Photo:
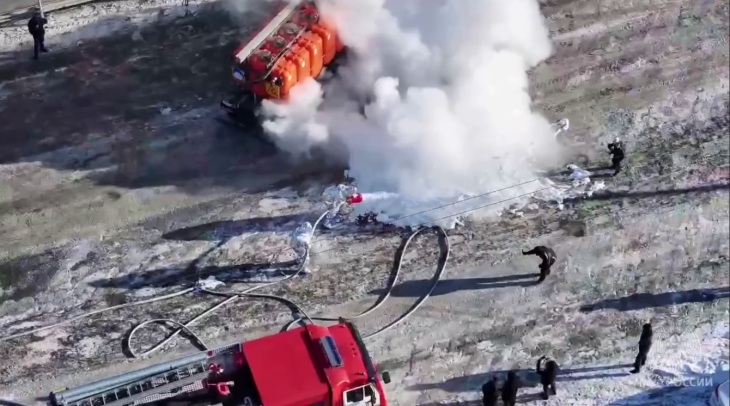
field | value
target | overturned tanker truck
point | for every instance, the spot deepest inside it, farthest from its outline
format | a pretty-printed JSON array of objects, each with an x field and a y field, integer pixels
[
  {"x": 306, "y": 366},
  {"x": 295, "y": 45}
]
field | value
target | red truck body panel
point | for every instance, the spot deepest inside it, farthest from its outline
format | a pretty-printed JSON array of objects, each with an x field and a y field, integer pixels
[
  {"x": 292, "y": 368},
  {"x": 284, "y": 369}
]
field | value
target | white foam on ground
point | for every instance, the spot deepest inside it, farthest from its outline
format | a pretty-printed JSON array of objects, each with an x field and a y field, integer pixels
[{"x": 403, "y": 211}]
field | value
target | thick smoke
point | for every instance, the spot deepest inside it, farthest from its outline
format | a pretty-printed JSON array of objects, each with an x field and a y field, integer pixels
[{"x": 447, "y": 113}]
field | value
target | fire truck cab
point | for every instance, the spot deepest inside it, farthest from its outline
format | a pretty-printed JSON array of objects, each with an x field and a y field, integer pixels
[{"x": 310, "y": 366}]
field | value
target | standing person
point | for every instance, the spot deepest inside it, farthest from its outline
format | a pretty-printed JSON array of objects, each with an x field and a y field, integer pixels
[
  {"x": 547, "y": 376},
  {"x": 36, "y": 27},
  {"x": 489, "y": 392},
  {"x": 548, "y": 259},
  {"x": 616, "y": 150},
  {"x": 644, "y": 347},
  {"x": 510, "y": 388}
]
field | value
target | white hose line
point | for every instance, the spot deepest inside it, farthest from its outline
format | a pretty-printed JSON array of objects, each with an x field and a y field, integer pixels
[
  {"x": 232, "y": 296},
  {"x": 95, "y": 312}
]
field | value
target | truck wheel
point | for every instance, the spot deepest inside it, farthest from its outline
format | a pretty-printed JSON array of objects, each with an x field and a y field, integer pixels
[{"x": 386, "y": 377}]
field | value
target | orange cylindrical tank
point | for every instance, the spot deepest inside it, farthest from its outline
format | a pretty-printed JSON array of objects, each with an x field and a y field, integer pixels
[
  {"x": 313, "y": 44},
  {"x": 296, "y": 54},
  {"x": 301, "y": 59},
  {"x": 282, "y": 78},
  {"x": 328, "y": 42},
  {"x": 330, "y": 25}
]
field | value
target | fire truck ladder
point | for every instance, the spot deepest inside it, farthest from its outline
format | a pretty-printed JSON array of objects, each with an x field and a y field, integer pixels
[{"x": 184, "y": 379}]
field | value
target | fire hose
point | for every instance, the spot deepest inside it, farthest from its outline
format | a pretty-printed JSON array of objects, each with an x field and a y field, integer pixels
[
  {"x": 347, "y": 196},
  {"x": 304, "y": 253},
  {"x": 301, "y": 245}
]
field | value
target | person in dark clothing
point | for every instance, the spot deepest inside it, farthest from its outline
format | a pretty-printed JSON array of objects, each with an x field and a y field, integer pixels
[
  {"x": 644, "y": 347},
  {"x": 489, "y": 392},
  {"x": 548, "y": 259},
  {"x": 547, "y": 376},
  {"x": 616, "y": 149},
  {"x": 509, "y": 390},
  {"x": 36, "y": 27}
]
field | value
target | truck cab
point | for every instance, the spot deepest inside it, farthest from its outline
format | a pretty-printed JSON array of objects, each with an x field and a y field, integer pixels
[{"x": 314, "y": 365}]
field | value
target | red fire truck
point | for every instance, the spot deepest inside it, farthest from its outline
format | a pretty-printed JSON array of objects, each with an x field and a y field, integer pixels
[
  {"x": 307, "y": 366},
  {"x": 295, "y": 45}
]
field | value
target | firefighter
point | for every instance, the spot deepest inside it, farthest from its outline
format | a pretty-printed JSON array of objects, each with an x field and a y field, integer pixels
[
  {"x": 37, "y": 30},
  {"x": 489, "y": 392},
  {"x": 547, "y": 376},
  {"x": 548, "y": 259},
  {"x": 510, "y": 388},
  {"x": 616, "y": 150},
  {"x": 644, "y": 347}
]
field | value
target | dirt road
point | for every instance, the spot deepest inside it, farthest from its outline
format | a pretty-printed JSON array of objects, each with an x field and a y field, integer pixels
[{"x": 115, "y": 177}]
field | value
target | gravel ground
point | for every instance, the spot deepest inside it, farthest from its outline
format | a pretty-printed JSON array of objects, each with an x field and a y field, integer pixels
[{"x": 117, "y": 183}]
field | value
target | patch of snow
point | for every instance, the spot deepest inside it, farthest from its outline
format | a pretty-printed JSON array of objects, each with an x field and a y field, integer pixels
[
  {"x": 273, "y": 204},
  {"x": 210, "y": 283},
  {"x": 145, "y": 292},
  {"x": 88, "y": 346}
]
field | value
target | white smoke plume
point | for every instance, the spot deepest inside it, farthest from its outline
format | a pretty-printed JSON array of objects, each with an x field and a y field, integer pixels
[{"x": 447, "y": 111}]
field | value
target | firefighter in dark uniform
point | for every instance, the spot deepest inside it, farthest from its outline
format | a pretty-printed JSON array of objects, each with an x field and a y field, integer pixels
[
  {"x": 36, "y": 27},
  {"x": 547, "y": 255},
  {"x": 644, "y": 346},
  {"x": 616, "y": 150},
  {"x": 490, "y": 392},
  {"x": 547, "y": 369}
]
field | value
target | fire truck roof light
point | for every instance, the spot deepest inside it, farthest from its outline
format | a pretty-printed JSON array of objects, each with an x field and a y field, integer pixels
[{"x": 330, "y": 350}]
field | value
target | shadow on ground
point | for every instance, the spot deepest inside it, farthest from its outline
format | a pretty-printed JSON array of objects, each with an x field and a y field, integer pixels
[
  {"x": 9, "y": 403},
  {"x": 286, "y": 223},
  {"x": 521, "y": 399},
  {"x": 188, "y": 274},
  {"x": 444, "y": 287},
  {"x": 528, "y": 376},
  {"x": 674, "y": 395},
  {"x": 185, "y": 276},
  {"x": 654, "y": 193},
  {"x": 640, "y": 301},
  {"x": 221, "y": 230}
]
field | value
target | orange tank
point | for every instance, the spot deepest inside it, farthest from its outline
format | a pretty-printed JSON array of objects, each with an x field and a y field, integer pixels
[
  {"x": 328, "y": 42},
  {"x": 282, "y": 75},
  {"x": 282, "y": 78},
  {"x": 330, "y": 25},
  {"x": 313, "y": 44},
  {"x": 296, "y": 54}
]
